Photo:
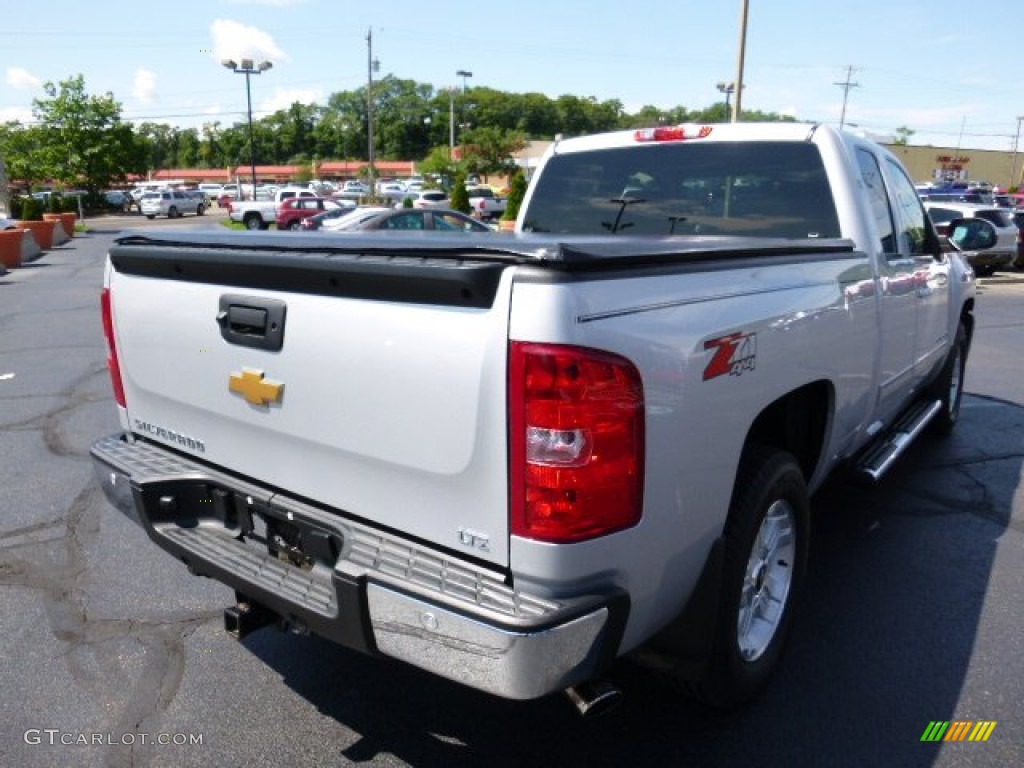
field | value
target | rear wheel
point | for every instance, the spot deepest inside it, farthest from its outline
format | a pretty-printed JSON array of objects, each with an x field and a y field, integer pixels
[
  {"x": 172, "y": 212},
  {"x": 949, "y": 387},
  {"x": 295, "y": 224},
  {"x": 253, "y": 221},
  {"x": 766, "y": 537}
]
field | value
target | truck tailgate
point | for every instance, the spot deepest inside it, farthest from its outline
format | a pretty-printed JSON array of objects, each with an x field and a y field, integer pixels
[{"x": 383, "y": 397}]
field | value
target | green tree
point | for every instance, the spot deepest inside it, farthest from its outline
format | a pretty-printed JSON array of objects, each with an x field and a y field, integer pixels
[
  {"x": 490, "y": 149},
  {"x": 438, "y": 162},
  {"x": 23, "y": 150},
  {"x": 85, "y": 142},
  {"x": 903, "y": 134}
]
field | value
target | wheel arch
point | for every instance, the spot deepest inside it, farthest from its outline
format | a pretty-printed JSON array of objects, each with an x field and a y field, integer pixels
[{"x": 798, "y": 422}]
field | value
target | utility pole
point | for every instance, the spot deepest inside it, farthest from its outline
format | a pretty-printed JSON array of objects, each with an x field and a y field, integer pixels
[
  {"x": 371, "y": 65},
  {"x": 1014, "y": 182},
  {"x": 846, "y": 85},
  {"x": 736, "y": 106}
]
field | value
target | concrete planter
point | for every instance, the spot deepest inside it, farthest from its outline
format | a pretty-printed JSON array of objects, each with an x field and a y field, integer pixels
[
  {"x": 67, "y": 220},
  {"x": 43, "y": 231},
  {"x": 10, "y": 247}
]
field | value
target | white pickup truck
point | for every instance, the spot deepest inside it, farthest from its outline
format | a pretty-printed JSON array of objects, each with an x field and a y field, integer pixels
[
  {"x": 511, "y": 459},
  {"x": 486, "y": 203},
  {"x": 260, "y": 214}
]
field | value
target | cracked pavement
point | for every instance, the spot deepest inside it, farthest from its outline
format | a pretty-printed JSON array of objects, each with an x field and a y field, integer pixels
[{"x": 913, "y": 610}]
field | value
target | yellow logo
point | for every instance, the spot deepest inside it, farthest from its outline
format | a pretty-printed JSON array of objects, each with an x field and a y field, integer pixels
[{"x": 257, "y": 390}]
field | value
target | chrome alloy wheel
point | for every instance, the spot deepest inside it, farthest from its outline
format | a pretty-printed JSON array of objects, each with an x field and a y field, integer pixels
[{"x": 767, "y": 581}]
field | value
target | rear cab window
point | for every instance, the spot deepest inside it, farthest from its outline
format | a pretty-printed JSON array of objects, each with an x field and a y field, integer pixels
[{"x": 755, "y": 189}]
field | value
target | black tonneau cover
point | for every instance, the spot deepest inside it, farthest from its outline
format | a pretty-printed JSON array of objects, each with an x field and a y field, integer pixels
[
  {"x": 433, "y": 268},
  {"x": 556, "y": 251}
]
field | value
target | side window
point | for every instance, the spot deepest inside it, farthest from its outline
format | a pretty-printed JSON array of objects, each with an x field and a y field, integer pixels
[
  {"x": 913, "y": 225},
  {"x": 871, "y": 175},
  {"x": 405, "y": 221},
  {"x": 448, "y": 222}
]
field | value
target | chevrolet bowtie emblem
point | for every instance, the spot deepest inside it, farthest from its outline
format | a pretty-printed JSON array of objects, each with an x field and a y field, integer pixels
[{"x": 251, "y": 385}]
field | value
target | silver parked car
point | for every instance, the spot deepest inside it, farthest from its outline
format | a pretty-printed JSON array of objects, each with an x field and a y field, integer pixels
[
  {"x": 985, "y": 262},
  {"x": 170, "y": 203}
]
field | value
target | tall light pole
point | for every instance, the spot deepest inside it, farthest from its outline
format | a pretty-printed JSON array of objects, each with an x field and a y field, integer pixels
[
  {"x": 736, "y": 109},
  {"x": 727, "y": 89},
  {"x": 247, "y": 68},
  {"x": 451, "y": 122},
  {"x": 463, "y": 73}
]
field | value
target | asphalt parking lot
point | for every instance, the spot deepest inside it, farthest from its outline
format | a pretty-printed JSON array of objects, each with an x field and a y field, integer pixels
[{"x": 913, "y": 613}]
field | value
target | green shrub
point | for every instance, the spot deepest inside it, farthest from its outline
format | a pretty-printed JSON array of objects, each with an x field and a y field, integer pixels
[
  {"x": 460, "y": 197},
  {"x": 31, "y": 209},
  {"x": 407, "y": 202},
  {"x": 54, "y": 202},
  {"x": 17, "y": 204},
  {"x": 516, "y": 193}
]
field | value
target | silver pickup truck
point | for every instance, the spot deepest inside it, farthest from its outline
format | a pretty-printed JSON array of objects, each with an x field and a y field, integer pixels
[{"x": 511, "y": 459}]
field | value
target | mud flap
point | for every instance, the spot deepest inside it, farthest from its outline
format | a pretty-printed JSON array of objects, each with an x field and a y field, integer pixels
[{"x": 688, "y": 640}]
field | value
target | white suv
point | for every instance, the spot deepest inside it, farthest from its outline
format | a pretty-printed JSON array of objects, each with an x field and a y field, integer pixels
[
  {"x": 986, "y": 262},
  {"x": 170, "y": 203}
]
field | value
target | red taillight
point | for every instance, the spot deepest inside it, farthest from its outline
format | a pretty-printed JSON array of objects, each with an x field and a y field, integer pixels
[
  {"x": 576, "y": 417},
  {"x": 673, "y": 133},
  {"x": 112, "y": 362}
]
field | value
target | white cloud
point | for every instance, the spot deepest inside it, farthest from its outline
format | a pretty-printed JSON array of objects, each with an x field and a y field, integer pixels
[
  {"x": 16, "y": 115},
  {"x": 234, "y": 40},
  {"x": 22, "y": 79},
  {"x": 144, "y": 86},
  {"x": 282, "y": 98}
]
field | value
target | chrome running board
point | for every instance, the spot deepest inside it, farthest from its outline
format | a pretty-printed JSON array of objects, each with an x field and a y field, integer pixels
[{"x": 890, "y": 445}]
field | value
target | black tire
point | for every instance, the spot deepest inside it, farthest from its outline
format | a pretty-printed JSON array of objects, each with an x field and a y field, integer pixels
[
  {"x": 150, "y": 215},
  {"x": 759, "y": 578},
  {"x": 172, "y": 212},
  {"x": 253, "y": 221},
  {"x": 949, "y": 386},
  {"x": 295, "y": 224},
  {"x": 199, "y": 210}
]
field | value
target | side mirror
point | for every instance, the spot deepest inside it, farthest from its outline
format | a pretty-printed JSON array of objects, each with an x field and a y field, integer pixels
[{"x": 970, "y": 235}]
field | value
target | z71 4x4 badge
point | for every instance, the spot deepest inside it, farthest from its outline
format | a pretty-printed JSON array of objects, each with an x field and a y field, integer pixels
[{"x": 733, "y": 354}]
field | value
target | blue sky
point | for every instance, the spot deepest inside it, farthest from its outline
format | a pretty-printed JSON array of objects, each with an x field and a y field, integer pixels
[{"x": 918, "y": 63}]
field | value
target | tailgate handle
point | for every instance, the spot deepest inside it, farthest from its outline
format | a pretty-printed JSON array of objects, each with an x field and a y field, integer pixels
[{"x": 249, "y": 321}]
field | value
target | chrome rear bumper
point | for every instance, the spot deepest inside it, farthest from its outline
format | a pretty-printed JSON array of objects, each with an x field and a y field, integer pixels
[{"x": 358, "y": 586}]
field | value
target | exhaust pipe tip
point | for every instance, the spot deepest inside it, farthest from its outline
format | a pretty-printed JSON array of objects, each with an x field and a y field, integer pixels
[{"x": 594, "y": 697}]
